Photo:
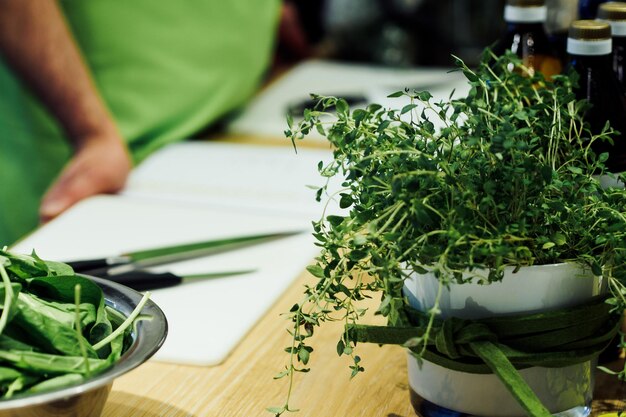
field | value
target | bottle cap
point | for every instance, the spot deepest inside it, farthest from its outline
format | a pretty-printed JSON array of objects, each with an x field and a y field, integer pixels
[
  {"x": 589, "y": 37},
  {"x": 615, "y": 14},
  {"x": 525, "y": 11}
]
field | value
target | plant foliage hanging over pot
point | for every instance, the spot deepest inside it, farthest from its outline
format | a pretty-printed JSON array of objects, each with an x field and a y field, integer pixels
[{"x": 507, "y": 178}]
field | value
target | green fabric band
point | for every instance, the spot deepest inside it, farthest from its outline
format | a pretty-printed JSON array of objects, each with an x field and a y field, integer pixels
[{"x": 503, "y": 345}]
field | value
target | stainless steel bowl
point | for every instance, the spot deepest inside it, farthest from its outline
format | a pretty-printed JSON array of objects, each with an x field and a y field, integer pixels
[{"x": 88, "y": 398}]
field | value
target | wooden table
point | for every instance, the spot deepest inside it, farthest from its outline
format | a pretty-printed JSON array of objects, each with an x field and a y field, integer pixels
[{"x": 243, "y": 385}]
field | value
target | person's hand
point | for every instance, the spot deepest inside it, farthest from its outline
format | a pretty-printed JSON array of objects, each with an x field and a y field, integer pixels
[{"x": 100, "y": 165}]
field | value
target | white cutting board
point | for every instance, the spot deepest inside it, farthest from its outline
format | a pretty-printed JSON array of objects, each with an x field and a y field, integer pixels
[
  {"x": 206, "y": 318},
  {"x": 196, "y": 191}
]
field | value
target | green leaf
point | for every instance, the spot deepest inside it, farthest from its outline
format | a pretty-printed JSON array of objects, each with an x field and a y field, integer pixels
[
  {"x": 61, "y": 288},
  {"x": 281, "y": 374},
  {"x": 320, "y": 129},
  {"x": 470, "y": 76},
  {"x": 559, "y": 239},
  {"x": 408, "y": 108},
  {"x": 345, "y": 201},
  {"x": 24, "y": 266},
  {"x": 341, "y": 346},
  {"x": 51, "y": 364},
  {"x": 607, "y": 370},
  {"x": 575, "y": 170},
  {"x": 304, "y": 356},
  {"x": 316, "y": 271},
  {"x": 335, "y": 220},
  {"x": 396, "y": 94},
  {"x": 424, "y": 95},
  {"x": 56, "y": 383},
  {"x": 342, "y": 106},
  {"x": 50, "y": 326},
  {"x": 357, "y": 254}
]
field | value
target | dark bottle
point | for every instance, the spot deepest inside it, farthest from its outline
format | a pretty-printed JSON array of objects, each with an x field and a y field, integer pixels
[
  {"x": 614, "y": 13},
  {"x": 526, "y": 36},
  {"x": 588, "y": 9},
  {"x": 589, "y": 47}
]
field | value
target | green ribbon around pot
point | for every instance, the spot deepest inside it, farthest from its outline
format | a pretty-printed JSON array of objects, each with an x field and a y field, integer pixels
[{"x": 503, "y": 345}]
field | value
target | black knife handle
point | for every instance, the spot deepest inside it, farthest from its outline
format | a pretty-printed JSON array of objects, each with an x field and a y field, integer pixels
[
  {"x": 144, "y": 280},
  {"x": 88, "y": 265}
]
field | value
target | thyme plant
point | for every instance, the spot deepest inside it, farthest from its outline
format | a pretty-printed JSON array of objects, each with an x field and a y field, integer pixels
[{"x": 504, "y": 176}]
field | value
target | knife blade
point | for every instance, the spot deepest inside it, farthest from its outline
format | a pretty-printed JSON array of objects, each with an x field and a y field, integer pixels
[
  {"x": 141, "y": 280},
  {"x": 140, "y": 259}
]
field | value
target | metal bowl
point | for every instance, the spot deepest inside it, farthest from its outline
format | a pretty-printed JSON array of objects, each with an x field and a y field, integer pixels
[{"x": 88, "y": 398}]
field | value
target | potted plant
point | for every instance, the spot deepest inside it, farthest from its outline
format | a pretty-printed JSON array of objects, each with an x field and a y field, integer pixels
[{"x": 482, "y": 226}]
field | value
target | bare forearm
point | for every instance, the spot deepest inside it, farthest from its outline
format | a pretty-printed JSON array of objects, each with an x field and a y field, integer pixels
[{"x": 36, "y": 42}]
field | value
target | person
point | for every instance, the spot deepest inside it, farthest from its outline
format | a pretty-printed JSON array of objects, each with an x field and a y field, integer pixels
[{"x": 90, "y": 88}]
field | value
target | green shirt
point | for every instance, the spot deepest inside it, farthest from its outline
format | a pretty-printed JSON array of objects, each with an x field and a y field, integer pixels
[{"x": 165, "y": 68}]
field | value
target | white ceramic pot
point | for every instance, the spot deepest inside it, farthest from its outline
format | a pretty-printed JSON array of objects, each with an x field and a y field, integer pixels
[{"x": 531, "y": 289}]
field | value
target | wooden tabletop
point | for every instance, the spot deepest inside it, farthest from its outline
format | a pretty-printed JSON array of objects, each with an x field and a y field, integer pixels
[{"x": 243, "y": 386}]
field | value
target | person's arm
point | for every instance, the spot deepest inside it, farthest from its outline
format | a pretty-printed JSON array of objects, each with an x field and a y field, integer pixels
[{"x": 37, "y": 43}]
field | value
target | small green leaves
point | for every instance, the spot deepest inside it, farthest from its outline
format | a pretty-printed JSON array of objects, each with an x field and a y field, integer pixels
[
  {"x": 396, "y": 94},
  {"x": 335, "y": 220},
  {"x": 356, "y": 368},
  {"x": 575, "y": 170},
  {"x": 357, "y": 254},
  {"x": 304, "y": 353},
  {"x": 316, "y": 271},
  {"x": 281, "y": 374},
  {"x": 408, "y": 108},
  {"x": 341, "y": 346},
  {"x": 424, "y": 96},
  {"x": 345, "y": 200},
  {"x": 559, "y": 239},
  {"x": 342, "y": 107},
  {"x": 502, "y": 177}
]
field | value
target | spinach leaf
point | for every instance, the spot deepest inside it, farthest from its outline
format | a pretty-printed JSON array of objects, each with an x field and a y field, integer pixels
[
  {"x": 24, "y": 266},
  {"x": 51, "y": 364},
  {"x": 61, "y": 288},
  {"x": 50, "y": 328},
  {"x": 56, "y": 382}
]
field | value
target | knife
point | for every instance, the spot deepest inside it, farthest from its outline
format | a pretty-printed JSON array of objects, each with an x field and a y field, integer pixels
[
  {"x": 137, "y": 260},
  {"x": 141, "y": 280}
]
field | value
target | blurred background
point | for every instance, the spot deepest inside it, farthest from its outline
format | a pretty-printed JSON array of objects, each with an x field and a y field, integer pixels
[{"x": 403, "y": 33}]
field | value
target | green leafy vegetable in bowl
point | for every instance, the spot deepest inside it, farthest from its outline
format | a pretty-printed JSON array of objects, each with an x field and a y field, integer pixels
[{"x": 55, "y": 328}]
